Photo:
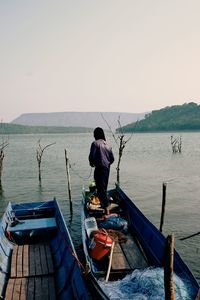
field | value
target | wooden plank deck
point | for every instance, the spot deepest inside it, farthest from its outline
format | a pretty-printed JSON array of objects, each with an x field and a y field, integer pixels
[
  {"x": 31, "y": 288},
  {"x": 31, "y": 260},
  {"x": 32, "y": 273},
  {"x": 119, "y": 261},
  {"x": 127, "y": 256}
]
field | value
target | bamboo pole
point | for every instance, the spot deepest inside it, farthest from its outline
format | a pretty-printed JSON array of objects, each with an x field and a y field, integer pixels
[
  {"x": 110, "y": 261},
  {"x": 164, "y": 186},
  {"x": 198, "y": 295},
  {"x": 169, "y": 269},
  {"x": 68, "y": 181}
]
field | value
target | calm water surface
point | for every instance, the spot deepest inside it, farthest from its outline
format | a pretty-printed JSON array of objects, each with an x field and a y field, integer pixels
[{"x": 147, "y": 162}]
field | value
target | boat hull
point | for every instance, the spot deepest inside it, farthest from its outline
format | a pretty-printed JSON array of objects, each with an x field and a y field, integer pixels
[
  {"x": 38, "y": 250},
  {"x": 150, "y": 241}
]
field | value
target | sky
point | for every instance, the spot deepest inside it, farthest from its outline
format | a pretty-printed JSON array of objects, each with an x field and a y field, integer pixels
[{"x": 98, "y": 55}]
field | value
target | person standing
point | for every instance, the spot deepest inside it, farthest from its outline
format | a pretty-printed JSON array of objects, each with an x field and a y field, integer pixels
[{"x": 101, "y": 157}]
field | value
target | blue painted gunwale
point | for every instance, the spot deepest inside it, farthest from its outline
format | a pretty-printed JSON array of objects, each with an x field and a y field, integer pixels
[{"x": 69, "y": 280}]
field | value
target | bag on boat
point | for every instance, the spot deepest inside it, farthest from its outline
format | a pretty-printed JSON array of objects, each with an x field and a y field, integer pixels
[
  {"x": 94, "y": 199},
  {"x": 114, "y": 222},
  {"x": 100, "y": 244}
]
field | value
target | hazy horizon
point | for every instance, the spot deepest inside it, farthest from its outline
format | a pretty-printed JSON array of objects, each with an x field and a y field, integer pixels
[{"x": 98, "y": 56}]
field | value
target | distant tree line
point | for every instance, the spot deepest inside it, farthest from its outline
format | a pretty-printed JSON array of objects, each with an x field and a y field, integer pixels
[
  {"x": 174, "y": 118},
  {"x": 7, "y": 128}
]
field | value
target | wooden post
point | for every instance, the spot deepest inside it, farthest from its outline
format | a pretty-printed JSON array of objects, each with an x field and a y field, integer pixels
[
  {"x": 68, "y": 181},
  {"x": 163, "y": 205},
  {"x": 169, "y": 269}
]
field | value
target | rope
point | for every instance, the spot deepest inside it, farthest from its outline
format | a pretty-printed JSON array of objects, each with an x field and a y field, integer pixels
[{"x": 77, "y": 174}]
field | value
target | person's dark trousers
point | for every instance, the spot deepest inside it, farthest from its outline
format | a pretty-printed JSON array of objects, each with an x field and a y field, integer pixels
[{"x": 101, "y": 176}]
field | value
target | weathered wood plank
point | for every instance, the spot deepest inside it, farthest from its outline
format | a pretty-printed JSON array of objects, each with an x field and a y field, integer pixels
[
  {"x": 9, "y": 290},
  {"x": 14, "y": 262},
  {"x": 119, "y": 261},
  {"x": 24, "y": 285},
  {"x": 19, "y": 261},
  {"x": 52, "y": 294},
  {"x": 38, "y": 268},
  {"x": 26, "y": 261},
  {"x": 133, "y": 254},
  {"x": 17, "y": 289},
  {"x": 49, "y": 259},
  {"x": 31, "y": 260},
  {"x": 45, "y": 287},
  {"x": 31, "y": 289},
  {"x": 44, "y": 265},
  {"x": 38, "y": 288}
]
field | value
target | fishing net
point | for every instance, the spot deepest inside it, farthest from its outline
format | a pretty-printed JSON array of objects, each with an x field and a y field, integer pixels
[{"x": 147, "y": 284}]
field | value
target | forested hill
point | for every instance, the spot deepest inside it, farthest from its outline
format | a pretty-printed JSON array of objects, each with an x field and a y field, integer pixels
[
  {"x": 173, "y": 118},
  {"x": 6, "y": 128}
]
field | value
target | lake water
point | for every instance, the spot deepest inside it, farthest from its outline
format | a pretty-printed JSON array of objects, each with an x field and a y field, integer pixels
[{"x": 147, "y": 162}]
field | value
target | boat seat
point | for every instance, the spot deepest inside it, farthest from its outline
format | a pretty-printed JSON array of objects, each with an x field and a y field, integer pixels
[{"x": 33, "y": 224}]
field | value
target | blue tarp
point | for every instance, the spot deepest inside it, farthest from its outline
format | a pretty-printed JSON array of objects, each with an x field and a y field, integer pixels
[{"x": 115, "y": 223}]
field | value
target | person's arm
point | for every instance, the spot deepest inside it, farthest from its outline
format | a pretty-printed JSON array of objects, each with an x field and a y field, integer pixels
[
  {"x": 111, "y": 156},
  {"x": 92, "y": 155}
]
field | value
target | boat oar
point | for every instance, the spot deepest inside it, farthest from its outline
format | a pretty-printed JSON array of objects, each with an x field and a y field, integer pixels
[
  {"x": 110, "y": 261},
  {"x": 189, "y": 236}
]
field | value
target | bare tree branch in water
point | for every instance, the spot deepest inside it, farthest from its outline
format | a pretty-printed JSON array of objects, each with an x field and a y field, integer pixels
[
  {"x": 176, "y": 144},
  {"x": 120, "y": 142},
  {"x": 4, "y": 143},
  {"x": 39, "y": 154}
]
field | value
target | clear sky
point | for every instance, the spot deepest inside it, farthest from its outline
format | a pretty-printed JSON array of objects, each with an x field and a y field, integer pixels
[{"x": 98, "y": 55}]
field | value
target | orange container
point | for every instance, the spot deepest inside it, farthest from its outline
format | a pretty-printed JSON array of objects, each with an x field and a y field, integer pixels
[{"x": 100, "y": 245}]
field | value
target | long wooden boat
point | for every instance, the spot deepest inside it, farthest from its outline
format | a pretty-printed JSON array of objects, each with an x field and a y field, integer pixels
[
  {"x": 37, "y": 256},
  {"x": 136, "y": 250}
]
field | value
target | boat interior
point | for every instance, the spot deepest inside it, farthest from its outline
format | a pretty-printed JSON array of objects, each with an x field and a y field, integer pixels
[
  {"x": 37, "y": 254},
  {"x": 127, "y": 253}
]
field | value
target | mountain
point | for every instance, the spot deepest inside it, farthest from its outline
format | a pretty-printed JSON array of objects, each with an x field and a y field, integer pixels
[
  {"x": 174, "y": 118},
  {"x": 78, "y": 119}
]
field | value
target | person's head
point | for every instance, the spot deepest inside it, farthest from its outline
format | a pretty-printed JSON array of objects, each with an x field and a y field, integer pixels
[{"x": 99, "y": 134}]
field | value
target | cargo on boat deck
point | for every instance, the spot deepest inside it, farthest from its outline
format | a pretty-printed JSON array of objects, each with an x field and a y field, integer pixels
[{"x": 100, "y": 244}]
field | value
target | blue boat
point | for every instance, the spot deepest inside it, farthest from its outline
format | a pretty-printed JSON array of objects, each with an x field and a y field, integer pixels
[
  {"x": 37, "y": 256},
  {"x": 133, "y": 266}
]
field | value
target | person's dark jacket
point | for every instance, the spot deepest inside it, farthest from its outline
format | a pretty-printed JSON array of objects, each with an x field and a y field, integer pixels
[{"x": 101, "y": 154}]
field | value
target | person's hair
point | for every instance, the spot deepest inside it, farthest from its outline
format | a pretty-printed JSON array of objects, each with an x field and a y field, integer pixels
[{"x": 99, "y": 134}]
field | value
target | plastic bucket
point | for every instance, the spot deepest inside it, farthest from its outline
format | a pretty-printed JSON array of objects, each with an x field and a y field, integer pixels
[{"x": 100, "y": 245}]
